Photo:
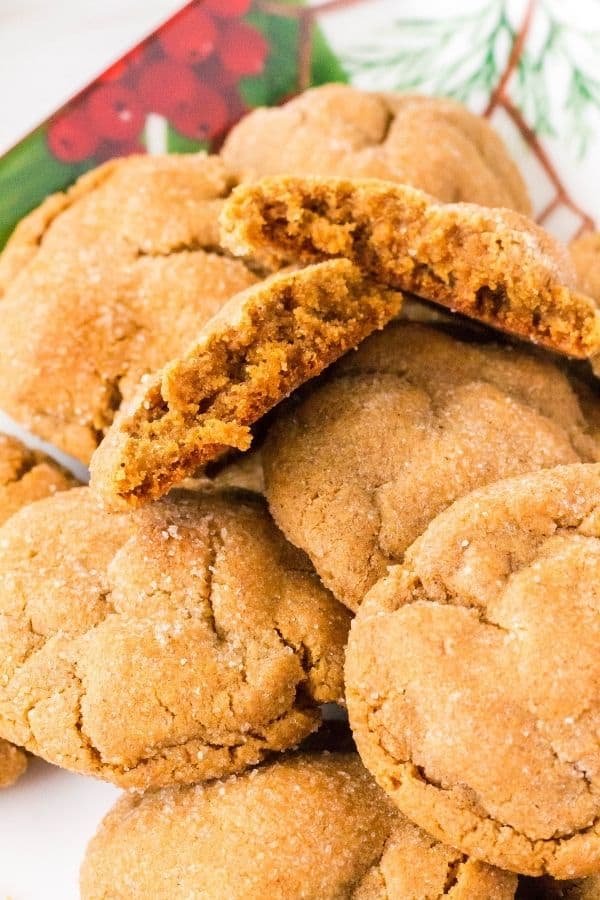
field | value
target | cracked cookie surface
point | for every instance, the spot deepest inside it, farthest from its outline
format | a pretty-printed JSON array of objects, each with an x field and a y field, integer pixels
[
  {"x": 179, "y": 643},
  {"x": 27, "y": 475},
  {"x": 472, "y": 675},
  {"x": 431, "y": 143},
  {"x": 458, "y": 414},
  {"x": 263, "y": 344},
  {"x": 114, "y": 275},
  {"x": 493, "y": 265},
  {"x": 312, "y": 826}
]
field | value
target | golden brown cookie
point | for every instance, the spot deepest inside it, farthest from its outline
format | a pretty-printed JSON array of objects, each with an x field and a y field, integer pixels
[
  {"x": 432, "y": 143},
  {"x": 356, "y": 469},
  {"x": 180, "y": 643},
  {"x": 493, "y": 265},
  {"x": 27, "y": 475},
  {"x": 115, "y": 276},
  {"x": 473, "y": 673},
  {"x": 549, "y": 889},
  {"x": 585, "y": 252},
  {"x": 13, "y": 763},
  {"x": 261, "y": 346},
  {"x": 307, "y": 826}
]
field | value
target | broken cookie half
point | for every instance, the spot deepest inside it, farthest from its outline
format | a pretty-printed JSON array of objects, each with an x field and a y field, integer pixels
[
  {"x": 267, "y": 341},
  {"x": 494, "y": 265}
]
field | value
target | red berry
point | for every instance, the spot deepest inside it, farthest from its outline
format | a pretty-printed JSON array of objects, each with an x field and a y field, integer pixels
[
  {"x": 243, "y": 49},
  {"x": 115, "y": 112},
  {"x": 228, "y": 9},
  {"x": 70, "y": 137},
  {"x": 190, "y": 37},
  {"x": 214, "y": 73},
  {"x": 165, "y": 85},
  {"x": 204, "y": 116}
]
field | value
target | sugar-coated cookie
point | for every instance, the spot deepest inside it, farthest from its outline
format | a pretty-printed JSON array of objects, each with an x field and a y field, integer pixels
[
  {"x": 310, "y": 826},
  {"x": 585, "y": 252},
  {"x": 182, "y": 642},
  {"x": 494, "y": 265},
  {"x": 263, "y": 344},
  {"x": 105, "y": 282},
  {"x": 25, "y": 475},
  {"x": 473, "y": 673},
  {"x": 357, "y": 467},
  {"x": 432, "y": 143}
]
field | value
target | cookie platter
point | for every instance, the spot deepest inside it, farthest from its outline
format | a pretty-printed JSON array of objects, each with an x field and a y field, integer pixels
[{"x": 325, "y": 344}]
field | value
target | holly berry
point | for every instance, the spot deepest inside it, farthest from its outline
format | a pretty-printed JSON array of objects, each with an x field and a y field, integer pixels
[
  {"x": 203, "y": 116},
  {"x": 228, "y": 9},
  {"x": 190, "y": 37},
  {"x": 70, "y": 137},
  {"x": 213, "y": 72},
  {"x": 165, "y": 86},
  {"x": 242, "y": 49},
  {"x": 115, "y": 112}
]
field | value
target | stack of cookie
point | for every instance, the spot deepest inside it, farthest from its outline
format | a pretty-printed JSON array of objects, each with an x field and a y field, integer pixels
[{"x": 340, "y": 454}]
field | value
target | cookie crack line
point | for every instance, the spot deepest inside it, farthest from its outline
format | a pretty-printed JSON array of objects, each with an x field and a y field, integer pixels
[
  {"x": 419, "y": 774},
  {"x": 490, "y": 264},
  {"x": 453, "y": 874},
  {"x": 193, "y": 246}
]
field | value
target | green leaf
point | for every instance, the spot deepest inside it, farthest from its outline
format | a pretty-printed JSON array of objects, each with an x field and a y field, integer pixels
[
  {"x": 280, "y": 75},
  {"x": 178, "y": 143},
  {"x": 28, "y": 174}
]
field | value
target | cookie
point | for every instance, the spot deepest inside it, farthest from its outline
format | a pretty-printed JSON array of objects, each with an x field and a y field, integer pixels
[
  {"x": 115, "y": 275},
  {"x": 265, "y": 343},
  {"x": 307, "y": 826},
  {"x": 585, "y": 253},
  {"x": 27, "y": 475},
  {"x": 472, "y": 675},
  {"x": 356, "y": 469},
  {"x": 13, "y": 763},
  {"x": 432, "y": 143},
  {"x": 493, "y": 265},
  {"x": 550, "y": 889},
  {"x": 180, "y": 643}
]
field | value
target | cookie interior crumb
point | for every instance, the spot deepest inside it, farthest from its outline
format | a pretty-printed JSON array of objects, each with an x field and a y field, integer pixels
[
  {"x": 491, "y": 264},
  {"x": 264, "y": 343}
]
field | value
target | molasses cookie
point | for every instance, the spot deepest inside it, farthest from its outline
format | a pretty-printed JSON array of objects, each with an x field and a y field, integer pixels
[
  {"x": 432, "y": 143},
  {"x": 472, "y": 675},
  {"x": 183, "y": 642},
  {"x": 307, "y": 826},
  {"x": 493, "y": 265},
  {"x": 356, "y": 468},
  {"x": 25, "y": 475},
  {"x": 106, "y": 282},
  {"x": 585, "y": 252},
  {"x": 263, "y": 344}
]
